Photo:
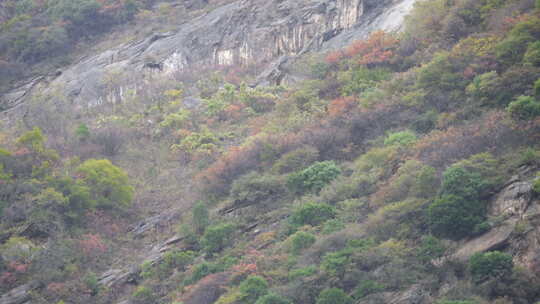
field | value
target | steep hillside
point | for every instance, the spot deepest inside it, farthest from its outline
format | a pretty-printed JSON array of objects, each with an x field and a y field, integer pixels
[{"x": 261, "y": 152}]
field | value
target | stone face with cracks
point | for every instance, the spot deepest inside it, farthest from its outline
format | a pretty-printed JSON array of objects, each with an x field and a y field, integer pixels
[{"x": 239, "y": 33}]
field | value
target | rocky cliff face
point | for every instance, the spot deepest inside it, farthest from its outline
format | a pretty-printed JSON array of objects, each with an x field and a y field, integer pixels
[{"x": 243, "y": 32}]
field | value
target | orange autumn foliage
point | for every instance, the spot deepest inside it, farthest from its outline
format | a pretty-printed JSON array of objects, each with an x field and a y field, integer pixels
[
  {"x": 341, "y": 106},
  {"x": 378, "y": 48}
]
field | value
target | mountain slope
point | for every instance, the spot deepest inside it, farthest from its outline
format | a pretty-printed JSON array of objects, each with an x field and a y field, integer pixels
[{"x": 398, "y": 168}]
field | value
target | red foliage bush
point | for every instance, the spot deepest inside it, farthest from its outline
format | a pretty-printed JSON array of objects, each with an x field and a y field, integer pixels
[
  {"x": 378, "y": 48},
  {"x": 92, "y": 245},
  {"x": 341, "y": 105}
]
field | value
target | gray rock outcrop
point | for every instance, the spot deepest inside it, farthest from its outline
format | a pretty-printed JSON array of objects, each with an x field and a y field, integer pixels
[
  {"x": 243, "y": 32},
  {"x": 518, "y": 212}
]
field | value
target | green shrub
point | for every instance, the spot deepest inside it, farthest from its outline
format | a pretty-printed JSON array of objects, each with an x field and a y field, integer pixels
[
  {"x": 412, "y": 180},
  {"x": 462, "y": 182},
  {"x": 143, "y": 295},
  {"x": 296, "y": 160},
  {"x": 272, "y": 298},
  {"x": 91, "y": 282},
  {"x": 524, "y": 108},
  {"x": 300, "y": 241},
  {"x": 514, "y": 46},
  {"x": 313, "y": 178},
  {"x": 217, "y": 237},
  {"x": 334, "y": 296},
  {"x": 441, "y": 74},
  {"x": 367, "y": 287},
  {"x": 430, "y": 248},
  {"x": 334, "y": 264},
  {"x": 455, "y": 217},
  {"x": 109, "y": 184},
  {"x": 252, "y": 189},
  {"x": 252, "y": 289},
  {"x": 536, "y": 183},
  {"x": 312, "y": 214},
  {"x": 17, "y": 249},
  {"x": 403, "y": 138},
  {"x": 332, "y": 226},
  {"x": 532, "y": 55},
  {"x": 178, "y": 259},
  {"x": 82, "y": 132},
  {"x": 302, "y": 272},
  {"x": 494, "y": 264},
  {"x": 359, "y": 79},
  {"x": 201, "y": 270}
]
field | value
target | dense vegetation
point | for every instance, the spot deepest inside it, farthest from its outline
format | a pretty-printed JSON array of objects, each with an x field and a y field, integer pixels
[
  {"x": 34, "y": 31},
  {"x": 355, "y": 184}
]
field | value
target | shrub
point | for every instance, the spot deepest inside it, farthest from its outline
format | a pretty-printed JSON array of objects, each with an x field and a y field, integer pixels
[
  {"x": 462, "y": 182},
  {"x": 217, "y": 237},
  {"x": 367, "y": 287},
  {"x": 177, "y": 259},
  {"x": 300, "y": 241},
  {"x": 524, "y": 108},
  {"x": 17, "y": 249},
  {"x": 272, "y": 298},
  {"x": 430, "y": 248},
  {"x": 536, "y": 183},
  {"x": 32, "y": 140},
  {"x": 82, "y": 132},
  {"x": 143, "y": 295},
  {"x": 296, "y": 160},
  {"x": 359, "y": 79},
  {"x": 313, "y": 178},
  {"x": 455, "y": 217},
  {"x": 403, "y": 138},
  {"x": 200, "y": 217},
  {"x": 200, "y": 271},
  {"x": 332, "y": 226},
  {"x": 109, "y": 184},
  {"x": 334, "y": 296},
  {"x": 335, "y": 264},
  {"x": 253, "y": 188},
  {"x": 253, "y": 288},
  {"x": 302, "y": 272},
  {"x": 412, "y": 180},
  {"x": 536, "y": 88},
  {"x": 494, "y": 264},
  {"x": 513, "y": 47},
  {"x": 91, "y": 282},
  {"x": 312, "y": 214},
  {"x": 532, "y": 56}
]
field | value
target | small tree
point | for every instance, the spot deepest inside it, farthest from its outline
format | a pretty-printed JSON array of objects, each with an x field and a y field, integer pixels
[
  {"x": 252, "y": 289},
  {"x": 217, "y": 237},
  {"x": 82, "y": 132},
  {"x": 312, "y": 214},
  {"x": 109, "y": 184},
  {"x": 494, "y": 264},
  {"x": 272, "y": 298},
  {"x": 313, "y": 178},
  {"x": 454, "y": 217},
  {"x": 334, "y": 296},
  {"x": 524, "y": 108},
  {"x": 300, "y": 241},
  {"x": 143, "y": 295}
]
